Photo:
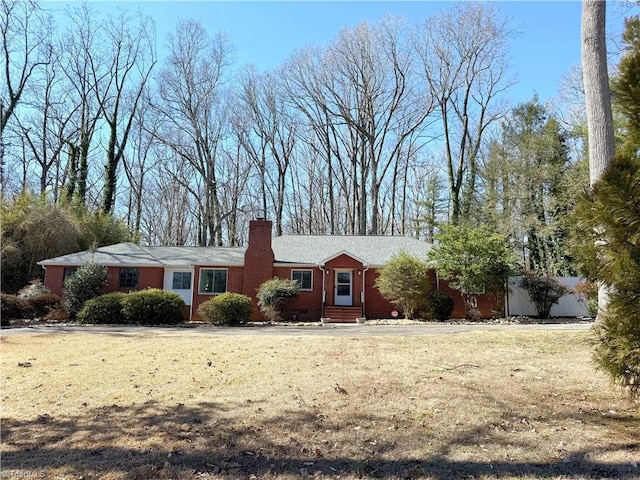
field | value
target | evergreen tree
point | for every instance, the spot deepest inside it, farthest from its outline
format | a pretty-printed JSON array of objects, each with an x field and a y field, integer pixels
[
  {"x": 607, "y": 248},
  {"x": 475, "y": 259},
  {"x": 626, "y": 87},
  {"x": 525, "y": 179},
  {"x": 606, "y": 231}
]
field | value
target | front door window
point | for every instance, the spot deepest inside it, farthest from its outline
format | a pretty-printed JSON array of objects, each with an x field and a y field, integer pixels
[
  {"x": 344, "y": 288},
  {"x": 179, "y": 281}
]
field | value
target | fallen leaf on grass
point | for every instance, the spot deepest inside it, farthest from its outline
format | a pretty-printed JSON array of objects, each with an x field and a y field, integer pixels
[{"x": 340, "y": 390}]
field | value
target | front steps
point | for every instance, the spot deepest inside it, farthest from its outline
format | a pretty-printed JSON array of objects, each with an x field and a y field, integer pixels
[{"x": 338, "y": 314}]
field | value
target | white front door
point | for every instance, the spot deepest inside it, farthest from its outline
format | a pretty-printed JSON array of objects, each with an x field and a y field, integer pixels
[
  {"x": 344, "y": 288},
  {"x": 179, "y": 281}
]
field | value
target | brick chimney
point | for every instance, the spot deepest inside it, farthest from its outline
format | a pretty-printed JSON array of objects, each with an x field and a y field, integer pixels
[{"x": 258, "y": 259}]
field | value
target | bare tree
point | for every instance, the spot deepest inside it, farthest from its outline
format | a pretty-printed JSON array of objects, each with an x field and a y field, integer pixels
[
  {"x": 360, "y": 98},
  {"x": 26, "y": 47},
  {"x": 193, "y": 115},
  {"x": 306, "y": 94},
  {"x": 132, "y": 58},
  {"x": 308, "y": 211},
  {"x": 140, "y": 161},
  {"x": 373, "y": 96},
  {"x": 463, "y": 53},
  {"x": 82, "y": 65},
  {"x": 269, "y": 136},
  {"x": 169, "y": 213},
  {"x": 236, "y": 197},
  {"x": 44, "y": 125}
]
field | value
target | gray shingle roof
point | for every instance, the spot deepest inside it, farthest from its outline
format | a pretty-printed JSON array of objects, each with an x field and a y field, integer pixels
[
  {"x": 289, "y": 249},
  {"x": 372, "y": 250},
  {"x": 181, "y": 256},
  {"x": 130, "y": 254}
]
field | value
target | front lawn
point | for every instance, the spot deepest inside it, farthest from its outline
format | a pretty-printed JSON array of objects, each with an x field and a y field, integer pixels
[{"x": 481, "y": 405}]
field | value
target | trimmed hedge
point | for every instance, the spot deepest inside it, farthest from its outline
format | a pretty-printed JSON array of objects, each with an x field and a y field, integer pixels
[
  {"x": 44, "y": 303},
  {"x": 103, "y": 309},
  {"x": 226, "y": 309},
  {"x": 153, "y": 307},
  {"x": 145, "y": 307},
  {"x": 13, "y": 307}
]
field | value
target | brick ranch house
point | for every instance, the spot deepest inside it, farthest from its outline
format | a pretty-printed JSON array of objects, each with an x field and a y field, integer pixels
[{"x": 336, "y": 273}]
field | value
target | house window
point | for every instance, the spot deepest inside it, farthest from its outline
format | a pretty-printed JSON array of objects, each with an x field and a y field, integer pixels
[
  {"x": 213, "y": 281},
  {"x": 474, "y": 290},
  {"x": 128, "y": 278},
  {"x": 181, "y": 281},
  {"x": 68, "y": 271},
  {"x": 303, "y": 277}
]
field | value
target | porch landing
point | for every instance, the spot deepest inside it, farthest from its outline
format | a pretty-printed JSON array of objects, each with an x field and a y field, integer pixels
[{"x": 339, "y": 314}]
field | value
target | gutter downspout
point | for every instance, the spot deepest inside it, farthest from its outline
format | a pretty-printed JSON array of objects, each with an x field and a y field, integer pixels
[
  {"x": 193, "y": 280},
  {"x": 324, "y": 292},
  {"x": 364, "y": 283}
]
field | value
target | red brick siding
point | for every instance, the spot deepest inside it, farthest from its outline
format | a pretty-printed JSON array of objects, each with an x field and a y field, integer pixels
[
  {"x": 149, "y": 277},
  {"x": 234, "y": 284},
  {"x": 376, "y": 306},
  {"x": 344, "y": 262},
  {"x": 307, "y": 305},
  {"x": 53, "y": 279},
  {"x": 486, "y": 303},
  {"x": 258, "y": 261}
]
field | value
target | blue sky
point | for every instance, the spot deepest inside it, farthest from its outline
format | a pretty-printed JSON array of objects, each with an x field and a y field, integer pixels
[{"x": 266, "y": 33}]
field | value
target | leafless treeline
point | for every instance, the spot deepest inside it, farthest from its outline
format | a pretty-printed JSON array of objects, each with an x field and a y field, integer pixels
[{"x": 382, "y": 131}]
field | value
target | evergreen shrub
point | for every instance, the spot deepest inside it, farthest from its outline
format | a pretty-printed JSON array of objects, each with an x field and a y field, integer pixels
[
  {"x": 404, "y": 281},
  {"x": 226, "y": 309},
  {"x": 153, "y": 307},
  {"x": 85, "y": 283},
  {"x": 606, "y": 246},
  {"x": 440, "y": 305},
  {"x": 273, "y": 295},
  {"x": 105, "y": 309}
]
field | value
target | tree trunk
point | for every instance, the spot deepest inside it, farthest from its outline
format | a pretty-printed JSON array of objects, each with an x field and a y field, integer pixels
[
  {"x": 595, "y": 77},
  {"x": 596, "y": 88}
]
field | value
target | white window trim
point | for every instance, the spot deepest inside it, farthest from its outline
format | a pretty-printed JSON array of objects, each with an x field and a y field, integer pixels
[
  {"x": 200, "y": 292},
  {"x": 181, "y": 272},
  {"x": 304, "y": 270}
]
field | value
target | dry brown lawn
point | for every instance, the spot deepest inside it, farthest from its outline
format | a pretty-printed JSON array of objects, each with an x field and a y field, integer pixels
[{"x": 485, "y": 405}]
